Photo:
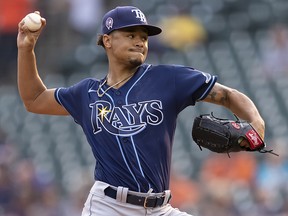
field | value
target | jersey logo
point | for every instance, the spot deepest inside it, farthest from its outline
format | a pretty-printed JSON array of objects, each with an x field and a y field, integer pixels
[{"x": 126, "y": 120}]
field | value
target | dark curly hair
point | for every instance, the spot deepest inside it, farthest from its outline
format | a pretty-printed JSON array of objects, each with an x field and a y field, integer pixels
[{"x": 100, "y": 40}]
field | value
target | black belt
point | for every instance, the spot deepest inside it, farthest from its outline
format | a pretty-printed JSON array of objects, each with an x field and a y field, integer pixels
[{"x": 146, "y": 202}]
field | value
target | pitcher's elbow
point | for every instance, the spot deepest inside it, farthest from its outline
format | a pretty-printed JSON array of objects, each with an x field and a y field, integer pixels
[{"x": 28, "y": 107}]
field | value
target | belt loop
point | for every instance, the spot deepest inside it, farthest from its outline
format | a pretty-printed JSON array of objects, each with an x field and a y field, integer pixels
[
  {"x": 150, "y": 191},
  {"x": 119, "y": 194},
  {"x": 167, "y": 196},
  {"x": 124, "y": 195}
]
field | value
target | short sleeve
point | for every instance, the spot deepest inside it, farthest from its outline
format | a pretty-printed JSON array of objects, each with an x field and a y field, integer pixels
[
  {"x": 192, "y": 85},
  {"x": 72, "y": 98}
]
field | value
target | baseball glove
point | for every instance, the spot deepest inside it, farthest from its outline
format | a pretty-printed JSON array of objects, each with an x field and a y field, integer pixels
[{"x": 224, "y": 135}]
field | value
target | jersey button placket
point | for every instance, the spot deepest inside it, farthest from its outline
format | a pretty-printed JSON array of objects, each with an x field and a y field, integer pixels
[{"x": 119, "y": 99}]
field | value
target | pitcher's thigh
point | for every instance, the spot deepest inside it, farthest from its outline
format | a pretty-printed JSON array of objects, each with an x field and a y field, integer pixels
[
  {"x": 105, "y": 206},
  {"x": 168, "y": 210}
]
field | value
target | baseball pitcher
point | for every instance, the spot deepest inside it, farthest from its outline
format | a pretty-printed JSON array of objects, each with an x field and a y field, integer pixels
[{"x": 129, "y": 116}]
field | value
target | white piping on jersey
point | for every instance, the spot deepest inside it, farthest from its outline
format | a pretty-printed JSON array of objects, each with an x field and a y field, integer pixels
[
  {"x": 57, "y": 95},
  {"x": 117, "y": 138},
  {"x": 132, "y": 140},
  {"x": 208, "y": 89},
  {"x": 91, "y": 90},
  {"x": 134, "y": 177},
  {"x": 121, "y": 150}
]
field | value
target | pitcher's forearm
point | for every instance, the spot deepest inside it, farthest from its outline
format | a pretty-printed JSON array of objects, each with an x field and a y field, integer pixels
[
  {"x": 243, "y": 107},
  {"x": 34, "y": 94},
  {"x": 30, "y": 84},
  {"x": 238, "y": 103}
]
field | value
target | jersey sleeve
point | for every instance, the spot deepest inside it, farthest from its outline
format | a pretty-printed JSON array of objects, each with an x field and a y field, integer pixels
[
  {"x": 192, "y": 85},
  {"x": 71, "y": 98}
]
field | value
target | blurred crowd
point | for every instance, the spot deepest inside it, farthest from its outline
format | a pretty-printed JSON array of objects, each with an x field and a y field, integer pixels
[
  {"x": 245, "y": 184},
  {"x": 26, "y": 192}
]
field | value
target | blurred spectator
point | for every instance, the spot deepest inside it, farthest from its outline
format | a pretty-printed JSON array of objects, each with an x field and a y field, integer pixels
[
  {"x": 185, "y": 192},
  {"x": 239, "y": 168},
  {"x": 49, "y": 203},
  {"x": 7, "y": 157},
  {"x": 182, "y": 32},
  {"x": 11, "y": 13},
  {"x": 85, "y": 16},
  {"x": 6, "y": 190},
  {"x": 30, "y": 196},
  {"x": 26, "y": 186},
  {"x": 227, "y": 183},
  {"x": 271, "y": 182},
  {"x": 275, "y": 56},
  {"x": 78, "y": 197},
  {"x": 7, "y": 152}
]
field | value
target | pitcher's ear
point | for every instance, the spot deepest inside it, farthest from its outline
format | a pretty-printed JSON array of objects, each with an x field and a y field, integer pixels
[{"x": 106, "y": 39}]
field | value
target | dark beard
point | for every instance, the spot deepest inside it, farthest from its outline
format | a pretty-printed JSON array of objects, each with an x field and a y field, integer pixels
[{"x": 135, "y": 62}]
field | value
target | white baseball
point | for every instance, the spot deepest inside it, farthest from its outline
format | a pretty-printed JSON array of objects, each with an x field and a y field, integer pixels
[{"x": 33, "y": 21}]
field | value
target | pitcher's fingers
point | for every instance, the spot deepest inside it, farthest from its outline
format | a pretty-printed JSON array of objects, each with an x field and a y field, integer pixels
[
  {"x": 245, "y": 143},
  {"x": 21, "y": 23},
  {"x": 21, "y": 26},
  {"x": 43, "y": 20}
]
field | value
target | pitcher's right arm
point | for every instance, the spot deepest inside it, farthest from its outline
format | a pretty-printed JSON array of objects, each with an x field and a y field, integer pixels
[{"x": 33, "y": 92}]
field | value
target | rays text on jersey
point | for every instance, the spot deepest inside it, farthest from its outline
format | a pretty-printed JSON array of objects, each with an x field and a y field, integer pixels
[{"x": 125, "y": 120}]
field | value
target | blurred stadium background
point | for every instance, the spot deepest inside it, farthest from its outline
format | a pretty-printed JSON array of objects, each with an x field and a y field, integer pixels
[{"x": 46, "y": 167}]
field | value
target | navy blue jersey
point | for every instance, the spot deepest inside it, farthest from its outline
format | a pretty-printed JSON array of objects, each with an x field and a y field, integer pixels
[{"x": 131, "y": 129}]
